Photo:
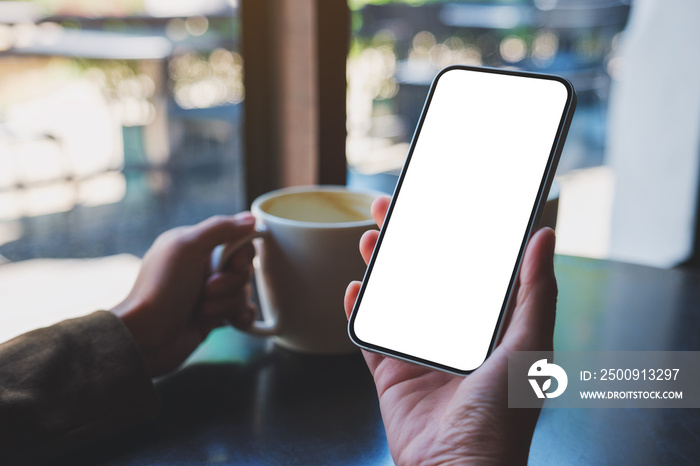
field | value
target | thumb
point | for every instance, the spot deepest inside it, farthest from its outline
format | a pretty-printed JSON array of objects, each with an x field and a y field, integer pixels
[
  {"x": 531, "y": 327},
  {"x": 222, "y": 229}
]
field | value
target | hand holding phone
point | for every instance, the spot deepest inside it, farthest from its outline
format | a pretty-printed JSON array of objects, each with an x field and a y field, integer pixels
[
  {"x": 430, "y": 414},
  {"x": 475, "y": 181}
]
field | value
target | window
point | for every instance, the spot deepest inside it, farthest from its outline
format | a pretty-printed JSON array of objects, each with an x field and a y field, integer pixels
[
  {"x": 398, "y": 46},
  {"x": 118, "y": 121}
]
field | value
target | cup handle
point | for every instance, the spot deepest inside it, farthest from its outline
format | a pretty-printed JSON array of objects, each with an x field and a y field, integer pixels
[{"x": 220, "y": 256}]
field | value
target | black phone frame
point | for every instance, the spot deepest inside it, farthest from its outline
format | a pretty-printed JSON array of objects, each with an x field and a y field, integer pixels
[{"x": 535, "y": 215}]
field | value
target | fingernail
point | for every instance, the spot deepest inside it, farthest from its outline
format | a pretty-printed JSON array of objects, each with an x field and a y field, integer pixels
[{"x": 245, "y": 218}]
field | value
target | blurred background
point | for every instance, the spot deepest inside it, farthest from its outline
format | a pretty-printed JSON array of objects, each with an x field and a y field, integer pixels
[{"x": 122, "y": 119}]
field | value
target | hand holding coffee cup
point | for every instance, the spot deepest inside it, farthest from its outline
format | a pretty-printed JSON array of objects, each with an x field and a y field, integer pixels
[{"x": 307, "y": 254}]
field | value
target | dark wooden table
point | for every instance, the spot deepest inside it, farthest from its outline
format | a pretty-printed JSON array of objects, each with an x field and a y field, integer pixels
[{"x": 240, "y": 401}]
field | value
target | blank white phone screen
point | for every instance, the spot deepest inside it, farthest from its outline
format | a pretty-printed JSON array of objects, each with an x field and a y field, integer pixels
[{"x": 442, "y": 271}]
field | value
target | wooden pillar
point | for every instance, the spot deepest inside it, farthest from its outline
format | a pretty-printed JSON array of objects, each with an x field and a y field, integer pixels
[
  {"x": 260, "y": 121},
  {"x": 295, "y": 55},
  {"x": 333, "y": 31}
]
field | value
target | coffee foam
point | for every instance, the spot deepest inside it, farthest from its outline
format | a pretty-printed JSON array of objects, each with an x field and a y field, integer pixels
[{"x": 320, "y": 206}]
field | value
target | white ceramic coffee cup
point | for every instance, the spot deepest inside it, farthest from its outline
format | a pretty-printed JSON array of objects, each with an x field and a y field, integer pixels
[{"x": 306, "y": 256}]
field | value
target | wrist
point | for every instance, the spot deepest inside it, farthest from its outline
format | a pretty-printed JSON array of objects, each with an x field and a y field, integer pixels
[{"x": 129, "y": 313}]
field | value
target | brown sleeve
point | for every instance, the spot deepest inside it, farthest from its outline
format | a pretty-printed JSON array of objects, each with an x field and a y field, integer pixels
[{"x": 67, "y": 384}]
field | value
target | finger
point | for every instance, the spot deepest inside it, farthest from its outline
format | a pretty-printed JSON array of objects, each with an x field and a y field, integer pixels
[
  {"x": 221, "y": 307},
  {"x": 235, "y": 309},
  {"x": 373, "y": 360},
  {"x": 539, "y": 257},
  {"x": 222, "y": 229},
  {"x": 244, "y": 317},
  {"x": 227, "y": 283},
  {"x": 351, "y": 293},
  {"x": 379, "y": 209},
  {"x": 242, "y": 259},
  {"x": 532, "y": 324},
  {"x": 367, "y": 243},
  {"x": 245, "y": 311},
  {"x": 508, "y": 315}
]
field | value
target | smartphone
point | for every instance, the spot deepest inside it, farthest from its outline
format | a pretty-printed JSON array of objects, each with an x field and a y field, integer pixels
[{"x": 469, "y": 196}]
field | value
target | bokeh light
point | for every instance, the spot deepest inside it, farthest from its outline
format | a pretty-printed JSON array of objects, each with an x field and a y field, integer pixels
[
  {"x": 176, "y": 29},
  {"x": 513, "y": 49},
  {"x": 6, "y": 37},
  {"x": 544, "y": 48},
  {"x": 197, "y": 25},
  {"x": 25, "y": 34},
  {"x": 201, "y": 81}
]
